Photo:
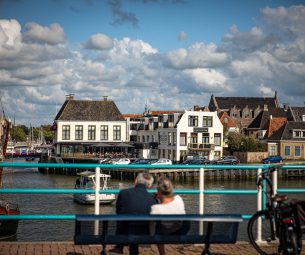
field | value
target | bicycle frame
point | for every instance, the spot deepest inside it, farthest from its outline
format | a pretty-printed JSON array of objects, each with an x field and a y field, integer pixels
[{"x": 278, "y": 213}]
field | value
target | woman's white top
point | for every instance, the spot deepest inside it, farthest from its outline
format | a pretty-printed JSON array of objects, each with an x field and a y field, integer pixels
[{"x": 174, "y": 207}]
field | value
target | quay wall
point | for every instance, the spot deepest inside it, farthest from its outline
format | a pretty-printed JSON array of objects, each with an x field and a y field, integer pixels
[{"x": 175, "y": 174}]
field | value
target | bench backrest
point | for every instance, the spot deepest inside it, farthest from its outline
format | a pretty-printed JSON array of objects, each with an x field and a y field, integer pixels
[{"x": 152, "y": 229}]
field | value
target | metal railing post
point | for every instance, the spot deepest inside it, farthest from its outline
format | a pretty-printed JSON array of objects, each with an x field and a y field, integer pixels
[
  {"x": 97, "y": 198},
  {"x": 201, "y": 197},
  {"x": 259, "y": 207},
  {"x": 201, "y": 191},
  {"x": 275, "y": 181}
]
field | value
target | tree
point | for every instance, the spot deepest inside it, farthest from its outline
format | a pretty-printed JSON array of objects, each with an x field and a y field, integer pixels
[
  {"x": 19, "y": 133},
  {"x": 240, "y": 142}
]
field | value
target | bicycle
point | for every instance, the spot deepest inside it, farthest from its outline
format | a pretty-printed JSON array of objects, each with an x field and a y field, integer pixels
[{"x": 279, "y": 229}]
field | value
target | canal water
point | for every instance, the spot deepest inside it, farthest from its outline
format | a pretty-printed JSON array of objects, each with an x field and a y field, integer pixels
[{"x": 62, "y": 230}]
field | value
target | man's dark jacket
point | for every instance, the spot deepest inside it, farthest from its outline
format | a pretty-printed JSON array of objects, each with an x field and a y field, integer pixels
[{"x": 135, "y": 200}]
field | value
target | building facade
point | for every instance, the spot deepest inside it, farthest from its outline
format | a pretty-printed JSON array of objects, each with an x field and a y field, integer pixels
[
  {"x": 81, "y": 124},
  {"x": 178, "y": 135}
]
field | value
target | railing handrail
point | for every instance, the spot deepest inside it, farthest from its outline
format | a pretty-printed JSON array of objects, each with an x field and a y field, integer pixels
[
  {"x": 201, "y": 191},
  {"x": 132, "y": 166}
]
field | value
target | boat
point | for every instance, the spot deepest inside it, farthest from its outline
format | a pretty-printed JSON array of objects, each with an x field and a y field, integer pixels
[
  {"x": 86, "y": 180},
  {"x": 8, "y": 228}
]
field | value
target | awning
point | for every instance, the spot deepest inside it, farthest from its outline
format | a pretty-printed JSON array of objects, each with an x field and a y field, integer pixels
[{"x": 123, "y": 145}]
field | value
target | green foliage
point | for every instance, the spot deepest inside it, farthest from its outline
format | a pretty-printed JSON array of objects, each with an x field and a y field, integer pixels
[
  {"x": 22, "y": 133},
  {"x": 240, "y": 142},
  {"x": 19, "y": 133}
]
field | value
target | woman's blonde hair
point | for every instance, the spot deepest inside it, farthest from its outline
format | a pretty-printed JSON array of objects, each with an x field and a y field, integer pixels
[{"x": 165, "y": 187}]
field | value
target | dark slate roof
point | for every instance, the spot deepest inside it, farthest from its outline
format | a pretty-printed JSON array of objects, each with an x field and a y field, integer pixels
[
  {"x": 298, "y": 112},
  {"x": 285, "y": 132},
  {"x": 242, "y": 102},
  {"x": 264, "y": 116},
  {"x": 84, "y": 110}
]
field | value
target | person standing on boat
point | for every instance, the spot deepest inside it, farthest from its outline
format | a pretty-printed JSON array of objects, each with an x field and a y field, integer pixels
[
  {"x": 134, "y": 200},
  {"x": 169, "y": 204}
]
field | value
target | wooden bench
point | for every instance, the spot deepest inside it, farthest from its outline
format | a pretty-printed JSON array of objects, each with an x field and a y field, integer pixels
[{"x": 157, "y": 229}]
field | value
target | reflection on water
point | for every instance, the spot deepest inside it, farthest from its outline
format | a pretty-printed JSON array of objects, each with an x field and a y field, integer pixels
[{"x": 59, "y": 230}]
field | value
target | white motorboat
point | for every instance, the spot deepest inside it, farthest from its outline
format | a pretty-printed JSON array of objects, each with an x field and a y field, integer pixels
[{"x": 86, "y": 180}]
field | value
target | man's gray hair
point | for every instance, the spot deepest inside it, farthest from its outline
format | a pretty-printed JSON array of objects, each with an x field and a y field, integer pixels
[{"x": 146, "y": 179}]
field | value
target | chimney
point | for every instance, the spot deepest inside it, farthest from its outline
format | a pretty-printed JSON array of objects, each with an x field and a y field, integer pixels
[
  {"x": 69, "y": 97},
  {"x": 196, "y": 108},
  {"x": 285, "y": 107},
  {"x": 105, "y": 98}
]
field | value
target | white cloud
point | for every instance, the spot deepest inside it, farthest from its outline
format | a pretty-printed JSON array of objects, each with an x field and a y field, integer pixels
[
  {"x": 99, "y": 42},
  {"x": 37, "y": 72},
  {"x": 198, "y": 55},
  {"x": 54, "y": 34},
  {"x": 208, "y": 79}
]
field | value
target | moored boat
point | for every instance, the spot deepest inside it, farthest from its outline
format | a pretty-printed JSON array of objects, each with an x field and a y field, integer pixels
[
  {"x": 8, "y": 228},
  {"x": 86, "y": 180}
]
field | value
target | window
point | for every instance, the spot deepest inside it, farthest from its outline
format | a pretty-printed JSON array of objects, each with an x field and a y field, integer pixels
[
  {"x": 66, "y": 132},
  {"x": 91, "y": 132},
  {"x": 297, "y": 151},
  {"x": 287, "y": 150},
  {"x": 207, "y": 121},
  {"x": 194, "y": 138},
  {"x": 183, "y": 139},
  {"x": 169, "y": 138},
  {"x": 174, "y": 138},
  {"x": 147, "y": 138},
  {"x": 217, "y": 139},
  {"x": 225, "y": 120},
  {"x": 104, "y": 132},
  {"x": 298, "y": 133},
  {"x": 273, "y": 150},
  {"x": 303, "y": 117},
  {"x": 143, "y": 138},
  {"x": 193, "y": 121},
  {"x": 78, "y": 132},
  {"x": 205, "y": 138},
  {"x": 116, "y": 132}
]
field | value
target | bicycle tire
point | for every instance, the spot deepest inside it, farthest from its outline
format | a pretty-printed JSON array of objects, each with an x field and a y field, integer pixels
[
  {"x": 289, "y": 242},
  {"x": 268, "y": 245}
]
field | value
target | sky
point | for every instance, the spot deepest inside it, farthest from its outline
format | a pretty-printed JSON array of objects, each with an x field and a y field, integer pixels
[{"x": 166, "y": 54}]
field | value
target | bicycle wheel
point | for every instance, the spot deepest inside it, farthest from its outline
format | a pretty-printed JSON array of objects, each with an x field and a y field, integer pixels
[
  {"x": 265, "y": 243},
  {"x": 289, "y": 241}
]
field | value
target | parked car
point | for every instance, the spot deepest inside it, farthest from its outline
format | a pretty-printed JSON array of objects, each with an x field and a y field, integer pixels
[
  {"x": 163, "y": 161},
  {"x": 272, "y": 159},
  {"x": 120, "y": 161},
  {"x": 196, "y": 162},
  {"x": 144, "y": 161},
  {"x": 227, "y": 160}
]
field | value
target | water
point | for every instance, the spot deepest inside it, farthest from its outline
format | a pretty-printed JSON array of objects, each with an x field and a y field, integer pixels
[{"x": 63, "y": 230}]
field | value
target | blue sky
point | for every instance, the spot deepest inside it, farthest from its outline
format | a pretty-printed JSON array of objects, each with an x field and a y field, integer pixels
[{"x": 171, "y": 54}]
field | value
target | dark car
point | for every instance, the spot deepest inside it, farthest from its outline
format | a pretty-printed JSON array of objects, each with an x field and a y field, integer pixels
[
  {"x": 144, "y": 161},
  {"x": 196, "y": 162},
  {"x": 227, "y": 160},
  {"x": 272, "y": 159}
]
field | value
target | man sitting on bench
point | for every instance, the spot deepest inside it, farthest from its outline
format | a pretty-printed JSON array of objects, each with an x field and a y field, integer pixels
[
  {"x": 134, "y": 200},
  {"x": 169, "y": 204}
]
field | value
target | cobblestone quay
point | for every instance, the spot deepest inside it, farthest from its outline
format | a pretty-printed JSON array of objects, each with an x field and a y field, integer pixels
[{"x": 68, "y": 248}]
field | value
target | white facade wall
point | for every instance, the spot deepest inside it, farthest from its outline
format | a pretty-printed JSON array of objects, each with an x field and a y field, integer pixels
[
  {"x": 169, "y": 138},
  {"x": 97, "y": 124}
]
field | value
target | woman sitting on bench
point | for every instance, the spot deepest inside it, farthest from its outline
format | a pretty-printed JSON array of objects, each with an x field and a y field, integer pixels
[{"x": 169, "y": 204}]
